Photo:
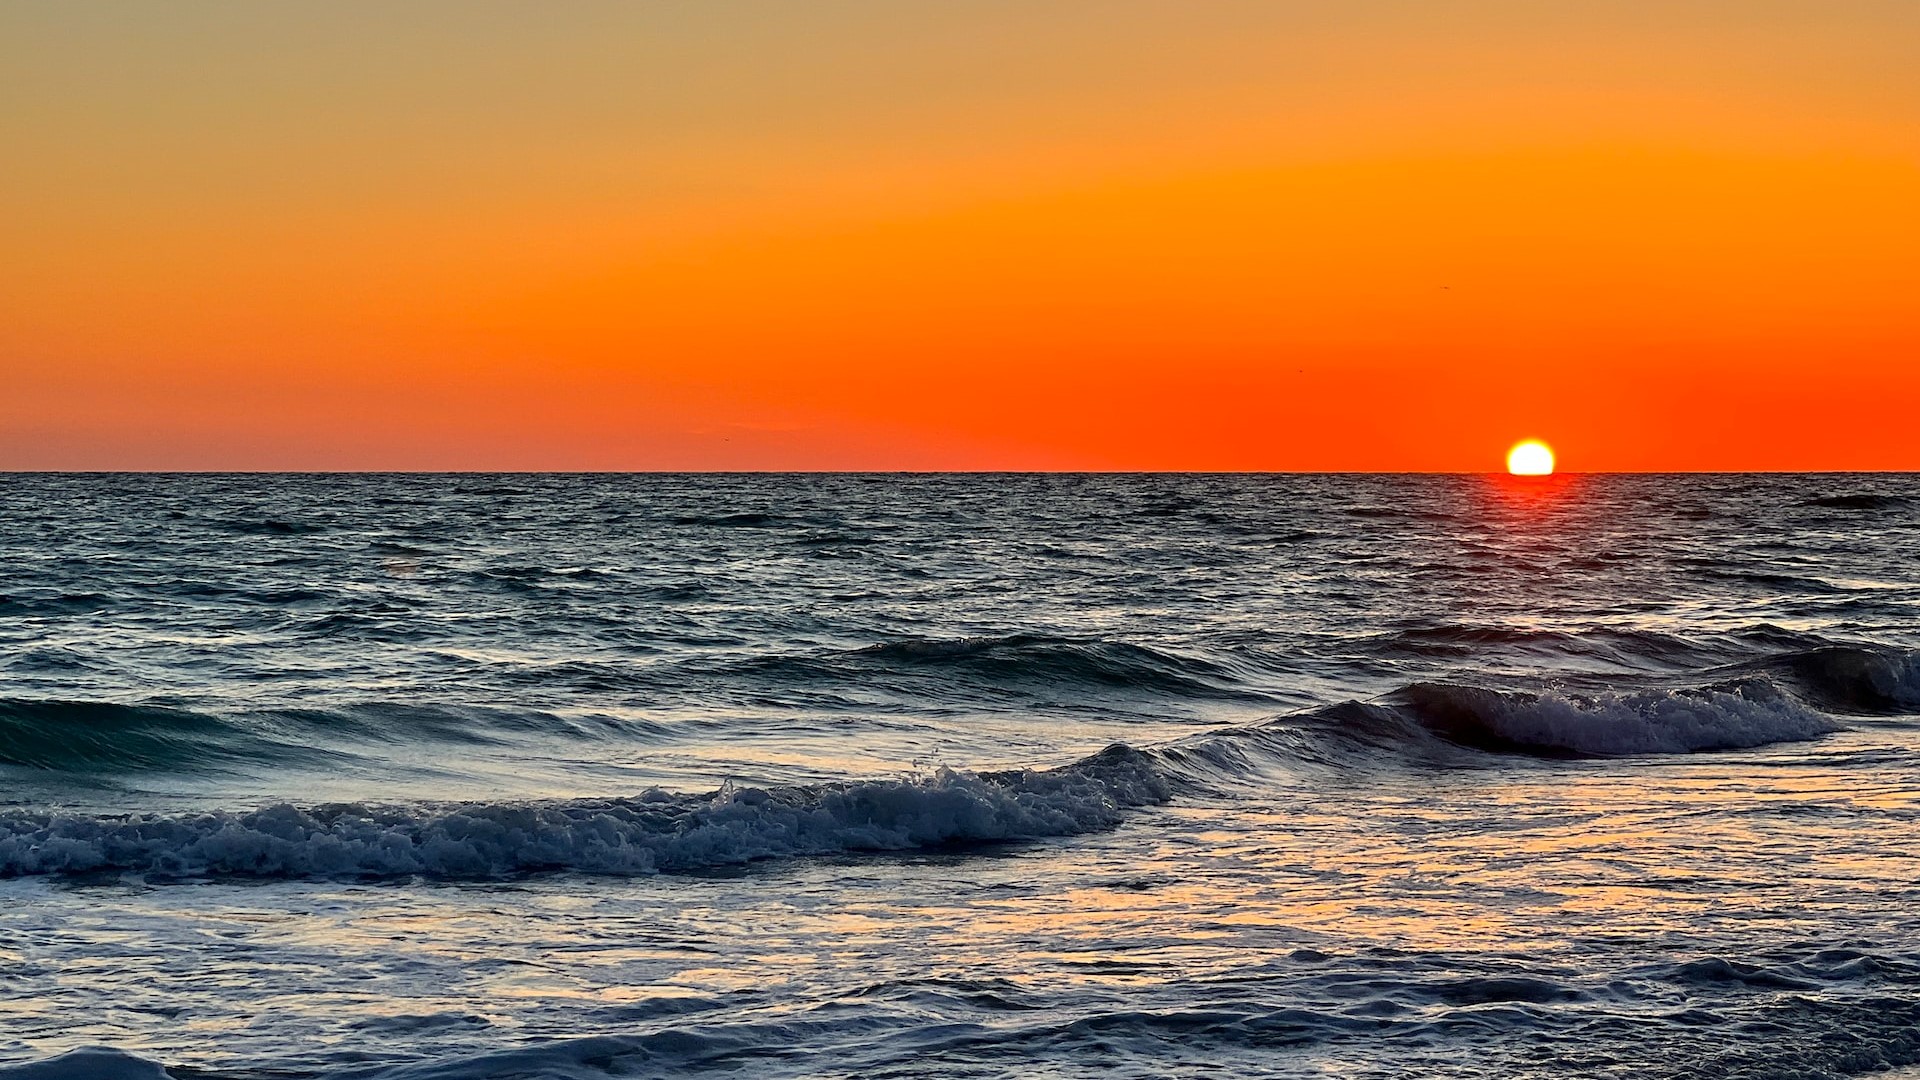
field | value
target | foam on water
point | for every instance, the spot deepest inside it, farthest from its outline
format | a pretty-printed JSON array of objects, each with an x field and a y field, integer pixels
[
  {"x": 652, "y": 832},
  {"x": 659, "y": 830}
]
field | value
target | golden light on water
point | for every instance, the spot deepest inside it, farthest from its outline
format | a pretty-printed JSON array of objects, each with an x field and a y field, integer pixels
[{"x": 1530, "y": 458}]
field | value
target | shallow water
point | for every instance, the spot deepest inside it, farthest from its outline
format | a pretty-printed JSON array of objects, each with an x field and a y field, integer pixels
[{"x": 816, "y": 775}]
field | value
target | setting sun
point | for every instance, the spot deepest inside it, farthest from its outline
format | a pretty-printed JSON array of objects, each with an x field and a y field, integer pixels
[{"x": 1530, "y": 458}]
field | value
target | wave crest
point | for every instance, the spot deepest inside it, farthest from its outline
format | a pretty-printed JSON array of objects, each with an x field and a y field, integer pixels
[
  {"x": 99, "y": 736},
  {"x": 1867, "y": 500},
  {"x": 653, "y": 832},
  {"x": 1732, "y": 716},
  {"x": 1854, "y": 678},
  {"x": 1037, "y": 658}
]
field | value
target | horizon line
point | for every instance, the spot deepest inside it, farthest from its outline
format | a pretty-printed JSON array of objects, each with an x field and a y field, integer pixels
[{"x": 953, "y": 472}]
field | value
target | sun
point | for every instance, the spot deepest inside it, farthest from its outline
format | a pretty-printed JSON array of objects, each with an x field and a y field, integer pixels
[{"x": 1530, "y": 458}]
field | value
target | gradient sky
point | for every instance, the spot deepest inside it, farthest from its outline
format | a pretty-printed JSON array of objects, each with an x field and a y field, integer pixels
[{"x": 1364, "y": 234}]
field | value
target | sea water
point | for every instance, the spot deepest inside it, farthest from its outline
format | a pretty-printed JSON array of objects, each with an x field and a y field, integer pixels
[{"x": 958, "y": 775}]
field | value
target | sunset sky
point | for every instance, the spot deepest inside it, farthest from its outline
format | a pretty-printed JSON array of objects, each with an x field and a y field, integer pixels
[{"x": 1364, "y": 234}]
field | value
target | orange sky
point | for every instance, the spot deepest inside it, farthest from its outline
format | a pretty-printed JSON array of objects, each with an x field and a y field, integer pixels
[{"x": 1197, "y": 235}]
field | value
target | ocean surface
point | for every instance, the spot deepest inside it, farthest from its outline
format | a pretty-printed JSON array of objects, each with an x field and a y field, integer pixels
[{"x": 451, "y": 776}]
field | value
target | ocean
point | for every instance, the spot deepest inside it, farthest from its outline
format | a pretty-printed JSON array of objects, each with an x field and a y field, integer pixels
[{"x": 528, "y": 775}]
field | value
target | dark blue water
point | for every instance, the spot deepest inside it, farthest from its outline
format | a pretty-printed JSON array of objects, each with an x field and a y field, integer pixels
[{"x": 541, "y": 775}]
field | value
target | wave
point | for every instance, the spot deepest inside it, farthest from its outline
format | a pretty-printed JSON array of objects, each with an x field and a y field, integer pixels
[
  {"x": 656, "y": 831},
  {"x": 1732, "y": 716},
  {"x": 1858, "y": 678},
  {"x": 1624, "y": 646},
  {"x": 98, "y": 736},
  {"x": 1452, "y": 724},
  {"x": 88, "y": 1063},
  {"x": 1859, "y": 501},
  {"x": 1017, "y": 659},
  {"x": 662, "y": 831},
  {"x": 61, "y": 604},
  {"x": 1851, "y": 678},
  {"x": 997, "y": 668},
  {"x": 268, "y": 527},
  {"x": 268, "y": 596},
  {"x": 1773, "y": 580},
  {"x": 745, "y": 520},
  {"x": 1746, "y": 707}
]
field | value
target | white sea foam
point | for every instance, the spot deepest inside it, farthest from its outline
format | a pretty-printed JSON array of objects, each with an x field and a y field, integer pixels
[
  {"x": 656, "y": 831},
  {"x": 659, "y": 831}
]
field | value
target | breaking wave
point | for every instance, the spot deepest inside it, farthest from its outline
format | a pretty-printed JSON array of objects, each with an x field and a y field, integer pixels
[
  {"x": 662, "y": 831},
  {"x": 656, "y": 831},
  {"x": 1456, "y": 724},
  {"x": 1734, "y": 716}
]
